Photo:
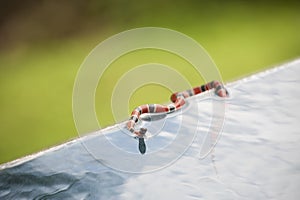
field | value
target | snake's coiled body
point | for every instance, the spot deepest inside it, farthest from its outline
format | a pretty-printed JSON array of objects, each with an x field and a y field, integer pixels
[{"x": 178, "y": 100}]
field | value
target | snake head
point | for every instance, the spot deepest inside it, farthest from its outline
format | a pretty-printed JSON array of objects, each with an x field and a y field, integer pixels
[
  {"x": 222, "y": 92},
  {"x": 141, "y": 132}
]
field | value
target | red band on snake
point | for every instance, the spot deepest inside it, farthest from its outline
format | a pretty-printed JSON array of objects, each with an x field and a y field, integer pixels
[{"x": 178, "y": 100}]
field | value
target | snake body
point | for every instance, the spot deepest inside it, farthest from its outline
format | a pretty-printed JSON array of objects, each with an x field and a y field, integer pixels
[{"x": 178, "y": 100}]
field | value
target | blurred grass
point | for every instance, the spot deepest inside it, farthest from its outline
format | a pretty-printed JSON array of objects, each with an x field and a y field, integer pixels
[{"x": 36, "y": 80}]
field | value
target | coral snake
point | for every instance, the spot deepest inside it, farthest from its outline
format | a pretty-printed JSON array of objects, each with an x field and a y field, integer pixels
[{"x": 178, "y": 100}]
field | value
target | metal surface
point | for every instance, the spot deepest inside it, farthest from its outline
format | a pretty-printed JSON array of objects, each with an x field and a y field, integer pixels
[{"x": 257, "y": 155}]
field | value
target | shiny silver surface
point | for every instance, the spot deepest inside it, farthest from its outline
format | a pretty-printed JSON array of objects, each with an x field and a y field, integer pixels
[{"x": 257, "y": 154}]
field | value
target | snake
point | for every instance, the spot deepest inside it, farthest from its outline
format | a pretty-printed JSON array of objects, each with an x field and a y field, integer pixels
[{"x": 178, "y": 100}]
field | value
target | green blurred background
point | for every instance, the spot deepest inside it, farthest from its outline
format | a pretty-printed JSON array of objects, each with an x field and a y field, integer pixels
[{"x": 43, "y": 43}]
